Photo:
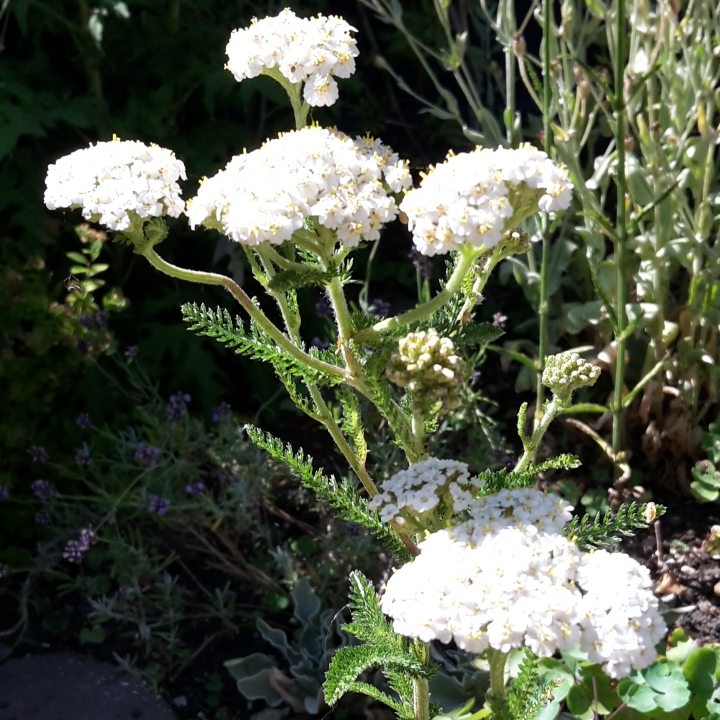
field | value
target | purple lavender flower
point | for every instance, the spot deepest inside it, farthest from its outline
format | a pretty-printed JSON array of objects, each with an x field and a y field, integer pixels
[
  {"x": 322, "y": 308},
  {"x": 82, "y": 457},
  {"x": 39, "y": 455},
  {"x": 131, "y": 351},
  {"x": 499, "y": 320},
  {"x": 41, "y": 518},
  {"x": 43, "y": 490},
  {"x": 175, "y": 409},
  {"x": 75, "y": 549},
  {"x": 101, "y": 318},
  {"x": 86, "y": 321},
  {"x": 83, "y": 421},
  {"x": 221, "y": 413},
  {"x": 158, "y": 505},
  {"x": 146, "y": 454},
  {"x": 195, "y": 489},
  {"x": 83, "y": 348},
  {"x": 4, "y": 493}
]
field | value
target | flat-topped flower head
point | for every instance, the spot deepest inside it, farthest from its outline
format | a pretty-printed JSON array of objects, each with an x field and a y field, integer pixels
[
  {"x": 117, "y": 183},
  {"x": 506, "y": 585},
  {"x": 566, "y": 372},
  {"x": 426, "y": 364},
  {"x": 345, "y": 185},
  {"x": 475, "y": 197},
  {"x": 426, "y": 495},
  {"x": 310, "y": 50}
]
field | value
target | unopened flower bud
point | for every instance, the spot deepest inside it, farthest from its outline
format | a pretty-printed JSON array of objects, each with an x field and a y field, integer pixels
[
  {"x": 578, "y": 72},
  {"x": 566, "y": 372},
  {"x": 426, "y": 364},
  {"x": 629, "y": 143},
  {"x": 519, "y": 45},
  {"x": 583, "y": 89}
]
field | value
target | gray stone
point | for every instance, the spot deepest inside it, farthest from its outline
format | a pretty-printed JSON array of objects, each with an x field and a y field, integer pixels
[{"x": 64, "y": 686}]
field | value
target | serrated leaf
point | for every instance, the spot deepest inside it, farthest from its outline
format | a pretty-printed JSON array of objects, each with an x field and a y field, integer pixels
[{"x": 286, "y": 280}]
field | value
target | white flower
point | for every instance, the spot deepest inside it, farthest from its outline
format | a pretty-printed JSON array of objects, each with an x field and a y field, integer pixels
[
  {"x": 314, "y": 173},
  {"x": 414, "y": 494},
  {"x": 307, "y": 50},
  {"x": 494, "y": 581},
  {"x": 115, "y": 182},
  {"x": 475, "y": 197}
]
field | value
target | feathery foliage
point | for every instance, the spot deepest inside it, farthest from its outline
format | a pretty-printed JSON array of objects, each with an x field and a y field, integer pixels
[
  {"x": 382, "y": 648},
  {"x": 527, "y": 694},
  {"x": 606, "y": 529},
  {"x": 255, "y": 344},
  {"x": 495, "y": 480},
  {"x": 351, "y": 422},
  {"x": 342, "y": 497},
  {"x": 564, "y": 461},
  {"x": 285, "y": 280}
]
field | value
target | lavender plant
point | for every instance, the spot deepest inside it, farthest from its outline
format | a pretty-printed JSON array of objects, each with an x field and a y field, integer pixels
[{"x": 487, "y": 562}]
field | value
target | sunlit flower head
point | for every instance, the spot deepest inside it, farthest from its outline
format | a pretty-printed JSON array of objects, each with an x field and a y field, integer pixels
[
  {"x": 266, "y": 195},
  {"x": 310, "y": 50},
  {"x": 116, "y": 183},
  {"x": 473, "y": 198},
  {"x": 501, "y": 580}
]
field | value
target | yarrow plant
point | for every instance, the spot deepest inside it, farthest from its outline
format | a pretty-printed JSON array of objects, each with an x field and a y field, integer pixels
[{"x": 489, "y": 562}]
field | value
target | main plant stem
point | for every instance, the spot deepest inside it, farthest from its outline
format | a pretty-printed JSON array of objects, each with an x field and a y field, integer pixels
[
  {"x": 543, "y": 305},
  {"x": 207, "y": 278},
  {"x": 421, "y": 687},
  {"x": 621, "y": 249}
]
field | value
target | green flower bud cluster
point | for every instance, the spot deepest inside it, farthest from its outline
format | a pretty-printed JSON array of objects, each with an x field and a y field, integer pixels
[
  {"x": 566, "y": 372},
  {"x": 426, "y": 364}
]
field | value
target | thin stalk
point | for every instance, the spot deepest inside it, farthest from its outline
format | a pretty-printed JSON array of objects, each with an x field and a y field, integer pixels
[
  {"x": 510, "y": 104},
  {"x": 421, "y": 689},
  {"x": 621, "y": 249},
  {"x": 345, "y": 327},
  {"x": 466, "y": 257},
  {"x": 206, "y": 278},
  {"x": 340, "y": 441},
  {"x": 543, "y": 306},
  {"x": 530, "y": 445}
]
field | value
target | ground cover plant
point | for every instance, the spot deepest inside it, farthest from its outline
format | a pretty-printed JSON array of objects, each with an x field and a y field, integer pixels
[{"x": 482, "y": 560}]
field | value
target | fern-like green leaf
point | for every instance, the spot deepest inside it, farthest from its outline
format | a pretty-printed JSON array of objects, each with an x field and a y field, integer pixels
[
  {"x": 399, "y": 659},
  {"x": 606, "y": 529},
  {"x": 561, "y": 462},
  {"x": 527, "y": 694},
  {"x": 352, "y": 424},
  {"x": 285, "y": 280},
  {"x": 219, "y": 324},
  {"x": 342, "y": 497}
]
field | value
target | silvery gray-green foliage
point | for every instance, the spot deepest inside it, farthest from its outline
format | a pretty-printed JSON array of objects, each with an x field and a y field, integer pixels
[{"x": 307, "y": 656}]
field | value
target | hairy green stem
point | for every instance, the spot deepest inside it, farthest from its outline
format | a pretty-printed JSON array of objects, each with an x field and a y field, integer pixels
[
  {"x": 466, "y": 257},
  {"x": 621, "y": 248},
  {"x": 421, "y": 689},
  {"x": 207, "y": 278},
  {"x": 530, "y": 445},
  {"x": 543, "y": 305},
  {"x": 497, "y": 660}
]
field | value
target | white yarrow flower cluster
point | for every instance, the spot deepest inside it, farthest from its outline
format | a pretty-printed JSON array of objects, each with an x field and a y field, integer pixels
[
  {"x": 314, "y": 173},
  {"x": 473, "y": 198},
  {"x": 309, "y": 50},
  {"x": 501, "y": 581},
  {"x": 426, "y": 495},
  {"x": 117, "y": 182}
]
